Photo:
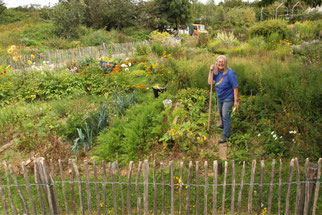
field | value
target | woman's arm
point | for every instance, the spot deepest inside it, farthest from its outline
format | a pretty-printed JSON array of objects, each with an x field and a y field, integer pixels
[
  {"x": 211, "y": 74},
  {"x": 236, "y": 103}
]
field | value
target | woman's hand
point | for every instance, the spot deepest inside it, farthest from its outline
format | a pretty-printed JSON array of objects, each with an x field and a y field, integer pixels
[
  {"x": 236, "y": 104},
  {"x": 212, "y": 67}
]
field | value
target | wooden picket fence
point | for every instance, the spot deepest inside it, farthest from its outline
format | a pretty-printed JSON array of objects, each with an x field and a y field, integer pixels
[
  {"x": 163, "y": 193},
  {"x": 61, "y": 57}
]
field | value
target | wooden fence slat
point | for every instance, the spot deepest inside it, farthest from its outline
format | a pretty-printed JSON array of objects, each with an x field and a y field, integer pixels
[
  {"x": 139, "y": 206},
  {"x": 37, "y": 181},
  {"x": 80, "y": 193},
  {"x": 307, "y": 187},
  {"x": 3, "y": 198},
  {"x": 260, "y": 193},
  {"x": 98, "y": 208},
  {"x": 21, "y": 197},
  {"x": 233, "y": 187},
  {"x": 240, "y": 192},
  {"x": 317, "y": 187},
  {"x": 288, "y": 193},
  {"x": 155, "y": 189},
  {"x": 146, "y": 187},
  {"x": 270, "y": 194},
  {"x": 224, "y": 189},
  {"x": 137, "y": 188},
  {"x": 251, "y": 186},
  {"x": 48, "y": 189},
  {"x": 52, "y": 177},
  {"x": 214, "y": 189},
  {"x": 162, "y": 184},
  {"x": 113, "y": 187},
  {"x": 279, "y": 188},
  {"x": 31, "y": 198},
  {"x": 72, "y": 188},
  {"x": 63, "y": 186},
  {"x": 172, "y": 188},
  {"x": 205, "y": 210},
  {"x": 104, "y": 188},
  {"x": 129, "y": 188},
  {"x": 189, "y": 188},
  {"x": 121, "y": 187},
  {"x": 180, "y": 187},
  {"x": 298, "y": 187},
  {"x": 88, "y": 189},
  {"x": 13, "y": 208},
  {"x": 197, "y": 187}
]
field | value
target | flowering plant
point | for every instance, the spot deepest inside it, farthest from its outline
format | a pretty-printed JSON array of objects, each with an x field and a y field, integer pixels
[{"x": 107, "y": 65}]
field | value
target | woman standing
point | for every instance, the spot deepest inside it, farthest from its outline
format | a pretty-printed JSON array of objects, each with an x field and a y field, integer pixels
[{"x": 226, "y": 85}]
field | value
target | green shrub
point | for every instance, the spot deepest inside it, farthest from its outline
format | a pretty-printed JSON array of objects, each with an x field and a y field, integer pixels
[
  {"x": 95, "y": 38},
  {"x": 269, "y": 27},
  {"x": 158, "y": 49},
  {"x": 37, "y": 33},
  {"x": 11, "y": 15},
  {"x": 307, "y": 30}
]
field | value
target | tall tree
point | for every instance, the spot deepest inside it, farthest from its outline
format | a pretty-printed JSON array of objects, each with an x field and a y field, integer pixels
[
  {"x": 2, "y": 7},
  {"x": 175, "y": 12},
  {"x": 68, "y": 15}
]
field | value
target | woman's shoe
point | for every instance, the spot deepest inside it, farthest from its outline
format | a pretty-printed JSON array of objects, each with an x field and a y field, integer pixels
[
  {"x": 221, "y": 140},
  {"x": 220, "y": 126}
]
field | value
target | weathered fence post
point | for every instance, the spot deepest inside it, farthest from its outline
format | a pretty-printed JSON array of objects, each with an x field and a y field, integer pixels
[
  {"x": 251, "y": 187},
  {"x": 240, "y": 192},
  {"x": 129, "y": 189},
  {"x": 146, "y": 187}
]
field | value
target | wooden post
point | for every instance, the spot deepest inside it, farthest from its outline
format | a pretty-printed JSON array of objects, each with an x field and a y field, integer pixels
[
  {"x": 88, "y": 190},
  {"x": 298, "y": 187},
  {"x": 3, "y": 198},
  {"x": 80, "y": 193},
  {"x": 52, "y": 177},
  {"x": 113, "y": 188},
  {"x": 146, "y": 187},
  {"x": 98, "y": 208},
  {"x": 224, "y": 189},
  {"x": 137, "y": 188},
  {"x": 51, "y": 200},
  {"x": 214, "y": 189},
  {"x": 172, "y": 188},
  {"x": 288, "y": 193},
  {"x": 121, "y": 186},
  {"x": 241, "y": 188},
  {"x": 63, "y": 186},
  {"x": 205, "y": 211},
  {"x": 21, "y": 197},
  {"x": 279, "y": 189},
  {"x": 32, "y": 202},
  {"x": 162, "y": 193},
  {"x": 317, "y": 187},
  {"x": 251, "y": 186},
  {"x": 13, "y": 208},
  {"x": 104, "y": 188},
  {"x": 270, "y": 195},
  {"x": 180, "y": 187},
  {"x": 233, "y": 186},
  {"x": 311, "y": 172},
  {"x": 37, "y": 181},
  {"x": 197, "y": 187},
  {"x": 72, "y": 188},
  {"x": 259, "y": 202},
  {"x": 129, "y": 188},
  {"x": 155, "y": 189},
  {"x": 189, "y": 188}
]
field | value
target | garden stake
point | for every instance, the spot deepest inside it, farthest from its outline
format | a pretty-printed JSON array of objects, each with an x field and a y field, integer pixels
[{"x": 209, "y": 114}]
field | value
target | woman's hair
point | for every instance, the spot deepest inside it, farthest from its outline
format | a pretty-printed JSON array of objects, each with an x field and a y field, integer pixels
[{"x": 226, "y": 65}]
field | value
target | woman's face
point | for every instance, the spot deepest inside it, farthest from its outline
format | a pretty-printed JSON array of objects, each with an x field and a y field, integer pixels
[{"x": 221, "y": 64}]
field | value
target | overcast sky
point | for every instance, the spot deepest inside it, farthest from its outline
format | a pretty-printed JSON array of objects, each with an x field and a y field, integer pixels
[{"x": 17, "y": 3}]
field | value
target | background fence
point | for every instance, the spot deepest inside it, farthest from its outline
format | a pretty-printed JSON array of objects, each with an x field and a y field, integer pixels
[
  {"x": 60, "y": 57},
  {"x": 176, "y": 188}
]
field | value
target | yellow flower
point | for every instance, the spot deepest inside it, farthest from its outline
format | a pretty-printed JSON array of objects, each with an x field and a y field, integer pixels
[
  {"x": 32, "y": 56},
  {"x": 15, "y": 53},
  {"x": 10, "y": 51},
  {"x": 101, "y": 204},
  {"x": 13, "y": 47},
  {"x": 29, "y": 62},
  {"x": 14, "y": 58}
]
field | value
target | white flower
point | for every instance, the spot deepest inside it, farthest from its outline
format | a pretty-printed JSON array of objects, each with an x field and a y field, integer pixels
[
  {"x": 274, "y": 136},
  {"x": 130, "y": 64},
  {"x": 126, "y": 69},
  {"x": 259, "y": 135},
  {"x": 293, "y": 140},
  {"x": 272, "y": 132},
  {"x": 281, "y": 137},
  {"x": 294, "y": 132},
  {"x": 127, "y": 59},
  {"x": 123, "y": 65}
]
